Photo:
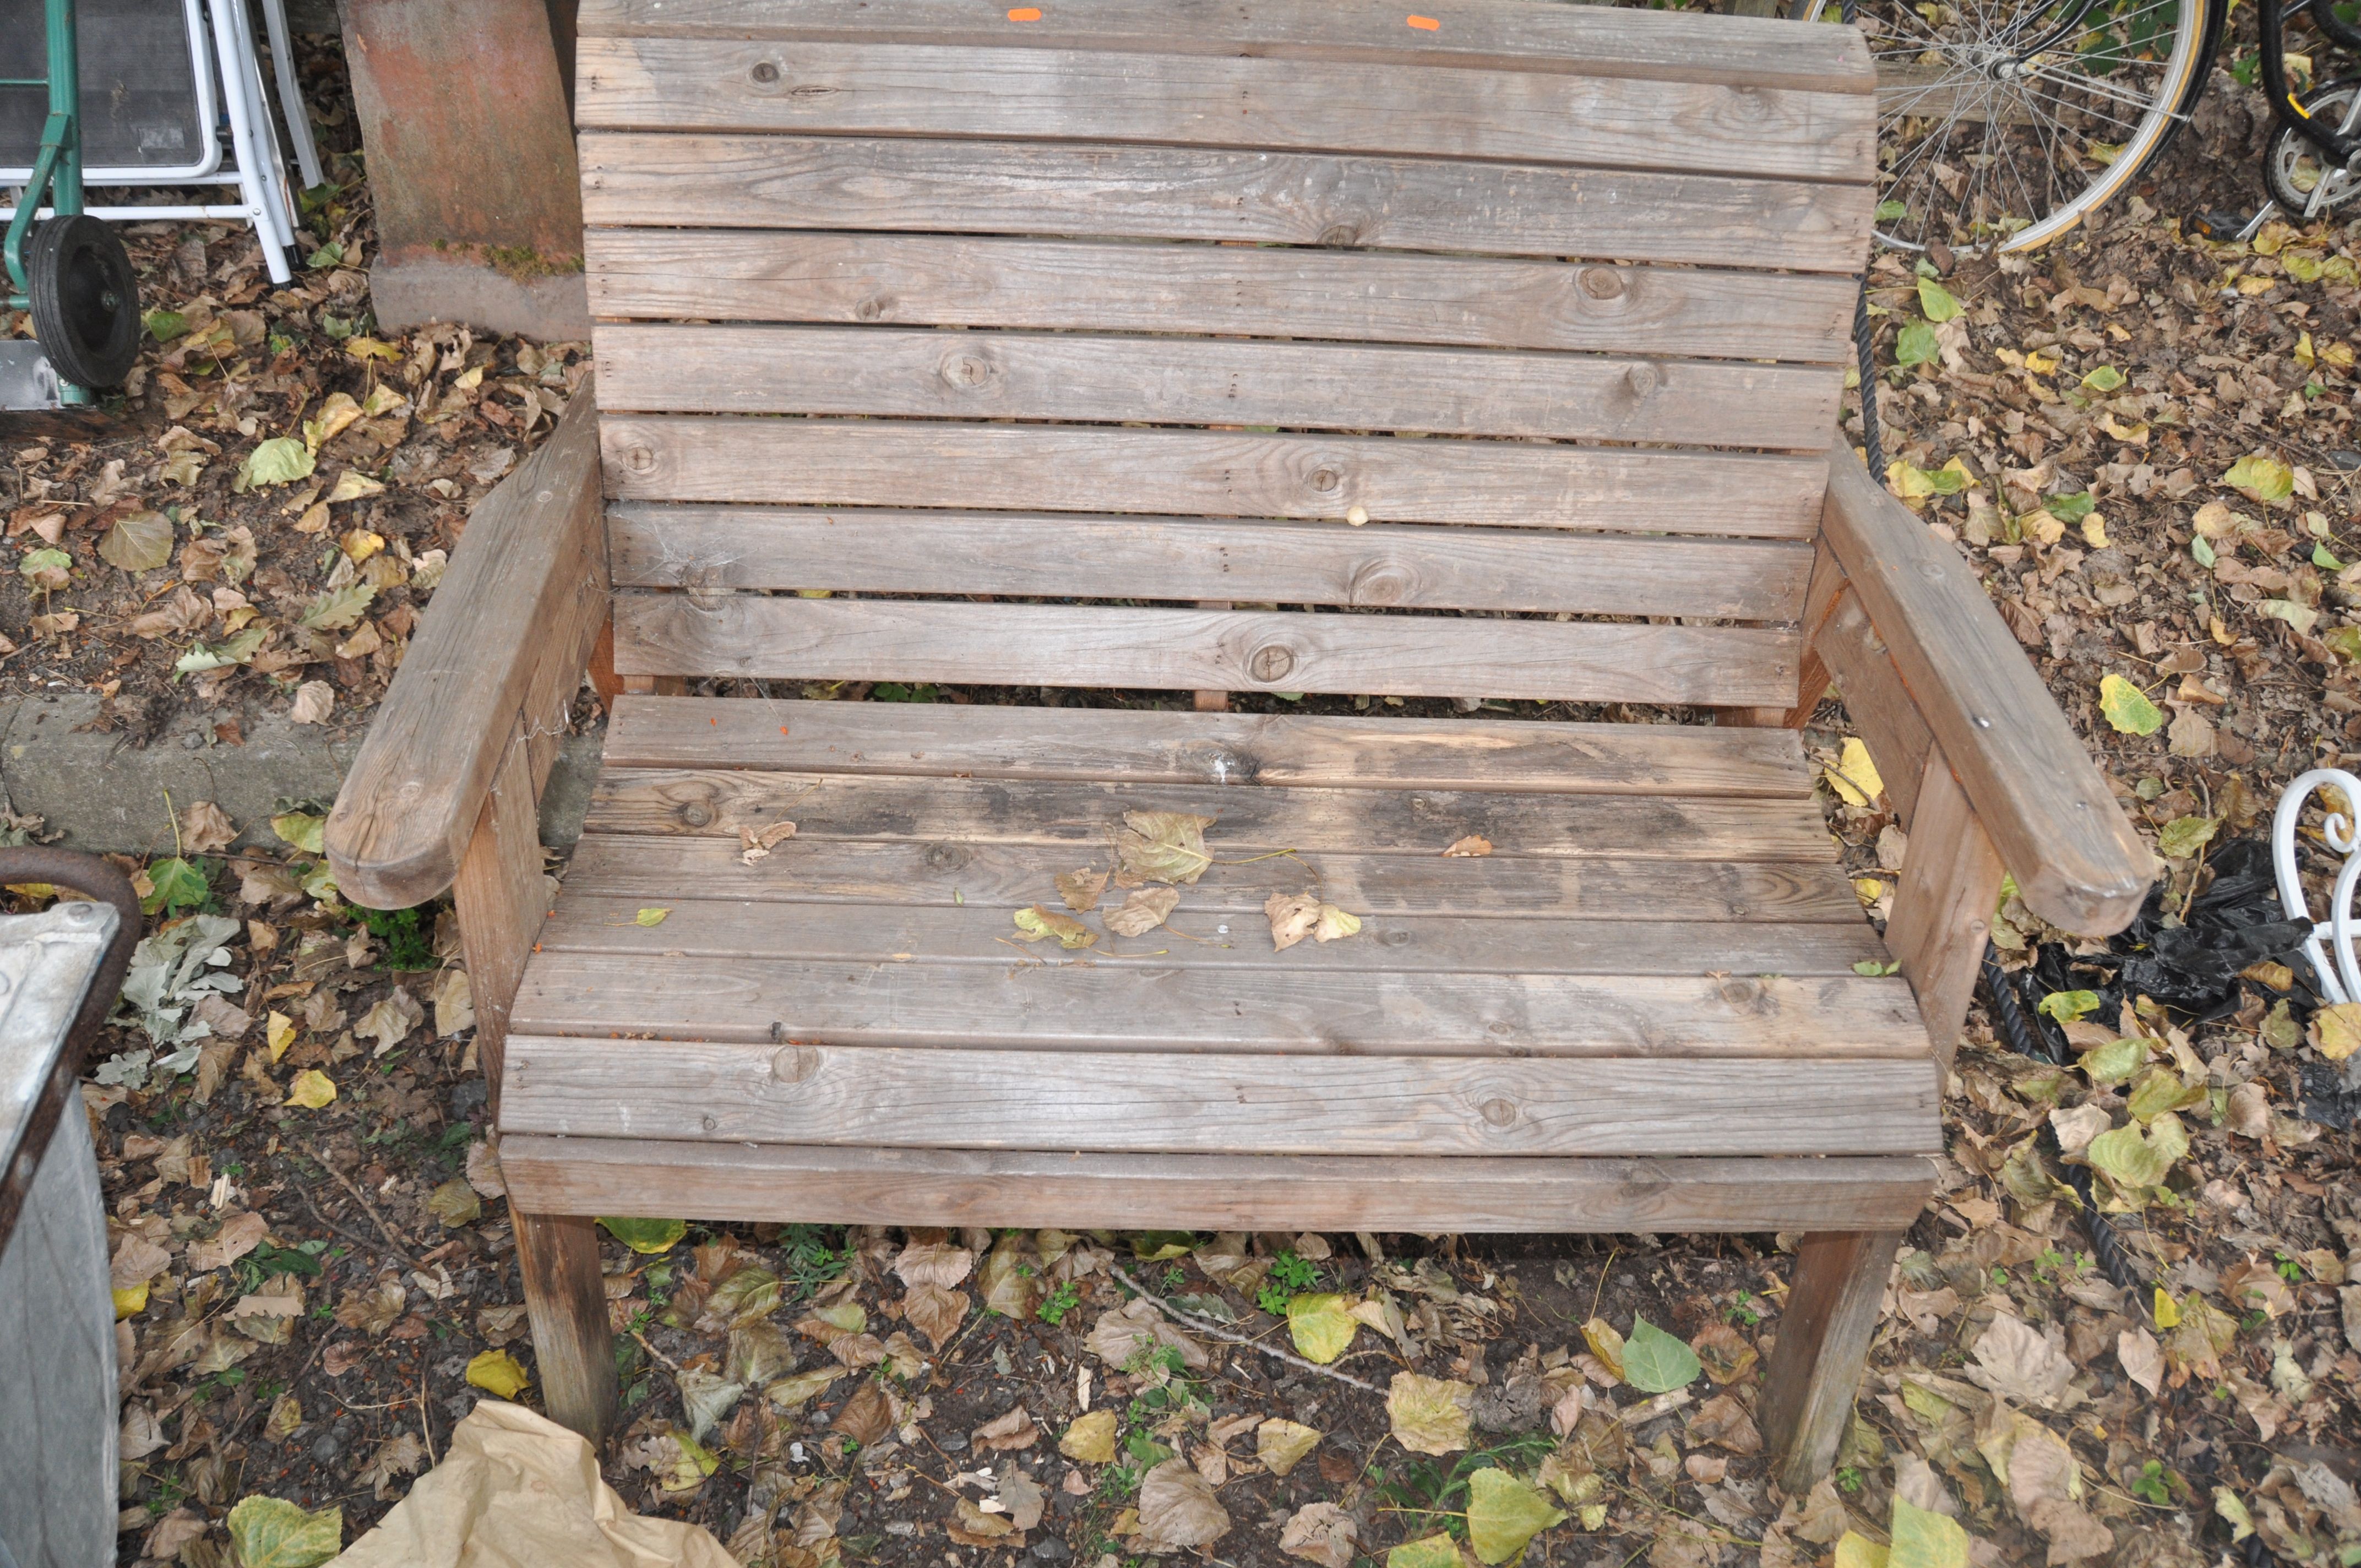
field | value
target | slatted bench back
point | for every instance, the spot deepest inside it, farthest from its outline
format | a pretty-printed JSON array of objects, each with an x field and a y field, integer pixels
[{"x": 1556, "y": 298}]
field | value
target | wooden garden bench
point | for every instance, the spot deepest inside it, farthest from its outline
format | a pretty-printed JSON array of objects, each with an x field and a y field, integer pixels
[{"x": 1072, "y": 348}]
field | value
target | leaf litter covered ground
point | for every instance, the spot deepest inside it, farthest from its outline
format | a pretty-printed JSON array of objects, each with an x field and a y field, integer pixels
[{"x": 2142, "y": 442}]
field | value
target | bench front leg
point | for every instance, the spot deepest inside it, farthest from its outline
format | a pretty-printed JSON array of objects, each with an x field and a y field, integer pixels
[
  {"x": 573, "y": 1348},
  {"x": 1822, "y": 1349}
]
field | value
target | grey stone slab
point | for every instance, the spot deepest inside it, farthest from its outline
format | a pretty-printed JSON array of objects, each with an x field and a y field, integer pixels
[{"x": 106, "y": 795}]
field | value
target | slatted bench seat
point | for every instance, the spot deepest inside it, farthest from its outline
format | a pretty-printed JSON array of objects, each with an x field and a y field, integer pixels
[{"x": 1187, "y": 347}]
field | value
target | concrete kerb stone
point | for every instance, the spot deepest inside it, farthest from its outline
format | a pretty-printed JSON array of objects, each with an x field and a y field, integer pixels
[{"x": 107, "y": 796}]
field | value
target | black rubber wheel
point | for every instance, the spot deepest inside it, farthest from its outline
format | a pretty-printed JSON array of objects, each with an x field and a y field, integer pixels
[{"x": 86, "y": 300}]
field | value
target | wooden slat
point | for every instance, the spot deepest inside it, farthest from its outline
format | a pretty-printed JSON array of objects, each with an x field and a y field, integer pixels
[
  {"x": 898, "y": 463},
  {"x": 1132, "y": 1102},
  {"x": 1201, "y": 937},
  {"x": 1207, "y": 1192},
  {"x": 2028, "y": 776},
  {"x": 1303, "y": 105},
  {"x": 1584, "y": 40},
  {"x": 657, "y": 871},
  {"x": 1152, "y": 747},
  {"x": 1077, "y": 1006},
  {"x": 925, "y": 373},
  {"x": 714, "y": 548},
  {"x": 1158, "y": 192},
  {"x": 1943, "y": 905},
  {"x": 1082, "y": 816},
  {"x": 1181, "y": 649},
  {"x": 934, "y": 280}
]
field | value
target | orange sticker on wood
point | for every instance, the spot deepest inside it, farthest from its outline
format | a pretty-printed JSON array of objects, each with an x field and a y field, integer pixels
[
  {"x": 1026, "y": 14},
  {"x": 1426, "y": 23}
]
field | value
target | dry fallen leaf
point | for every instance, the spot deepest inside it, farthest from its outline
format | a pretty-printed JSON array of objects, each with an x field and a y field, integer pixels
[
  {"x": 1321, "y": 1532},
  {"x": 205, "y": 827},
  {"x": 1474, "y": 844},
  {"x": 1038, "y": 921},
  {"x": 1280, "y": 1444},
  {"x": 934, "y": 1311},
  {"x": 1430, "y": 1415},
  {"x": 1177, "y": 1507},
  {"x": 1292, "y": 915},
  {"x": 1081, "y": 889},
  {"x": 1163, "y": 845},
  {"x": 1143, "y": 912},
  {"x": 756, "y": 843},
  {"x": 1015, "y": 1430},
  {"x": 1090, "y": 1439}
]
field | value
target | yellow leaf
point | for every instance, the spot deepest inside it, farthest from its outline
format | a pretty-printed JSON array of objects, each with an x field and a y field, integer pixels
[
  {"x": 1090, "y": 1439},
  {"x": 359, "y": 544},
  {"x": 1426, "y": 1552},
  {"x": 1854, "y": 778},
  {"x": 278, "y": 1032},
  {"x": 2167, "y": 1311},
  {"x": 2304, "y": 355},
  {"x": 1924, "y": 1539},
  {"x": 352, "y": 485},
  {"x": 1280, "y": 1444},
  {"x": 499, "y": 1374},
  {"x": 1606, "y": 1344},
  {"x": 2337, "y": 1030},
  {"x": 130, "y": 1303},
  {"x": 1038, "y": 921},
  {"x": 1859, "y": 1551},
  {"x": 1429, "y": 1415},
  {"x": 311, "y": 1090},
  {"x": 1504, "y": 1513},
  {"x": 2042, "y": 526},
  {"x": 366, "y": 348},
  {"x": 1323, "y": 1326},
  {"x": 2094, "y": 532},
  {"x": 650, "y": 916},
  {"x": 1867, "y": 889},
  {"x": 2127, "y": 709},
  {"x": 2040, "y": 364},
  {"x": 2260, "y": 479}
]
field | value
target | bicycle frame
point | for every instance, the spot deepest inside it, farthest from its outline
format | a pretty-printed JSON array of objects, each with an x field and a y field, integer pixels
[{"x": 58, "y": 169}]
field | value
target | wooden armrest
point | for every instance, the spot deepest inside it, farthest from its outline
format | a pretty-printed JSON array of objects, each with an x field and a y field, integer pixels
[
  {"x": 2077, "y": 861},
  {"x": 503, "y": 644}
]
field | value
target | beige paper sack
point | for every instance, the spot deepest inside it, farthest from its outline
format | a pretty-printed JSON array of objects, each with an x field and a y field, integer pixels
[{"x": 517, "y": 1490}]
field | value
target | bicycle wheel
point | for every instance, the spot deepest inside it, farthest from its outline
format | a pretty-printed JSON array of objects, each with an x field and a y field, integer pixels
[
  {"x": 2002, "y": 124},
  {"x": 2303, "y": 183}
]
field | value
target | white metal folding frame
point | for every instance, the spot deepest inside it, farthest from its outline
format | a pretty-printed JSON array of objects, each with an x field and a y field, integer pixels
[{"x": 221, "y": 45}]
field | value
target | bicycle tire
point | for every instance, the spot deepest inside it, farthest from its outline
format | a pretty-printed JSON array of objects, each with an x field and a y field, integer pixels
[
  {"x": 1994, "y": 120},
  {"x": 2340, "y": 32}
]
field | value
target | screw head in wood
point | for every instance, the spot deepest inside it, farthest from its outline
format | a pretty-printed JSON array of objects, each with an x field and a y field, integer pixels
[{"x": 765, "y": 73}]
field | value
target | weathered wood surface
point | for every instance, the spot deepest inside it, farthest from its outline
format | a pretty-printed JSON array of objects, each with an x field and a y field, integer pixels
[
  {"x": 1052, "y": 554},
  {"x": 1206, "y": 1192},
  {"x": 1276, "y": 651},
  {"x": 1071, "y": 285},
  {"x": 1823, "y": 1347},
  {"x": 654, "y": 871},
  {"x": 898, "y": 463},
  {"x": 1582, "y": 40},
  {"x": 1203, "y": 938},
  {"x": 59, "y": 1400},
  {"x": 574, "y": 1358},
  {"x": 1160, "y": 747},
  {"x": 499, "y": 896},
  {"x": 523, "y": 595},
  {"x": 925, "y": 373},
  {"x": 1943, "y": 905},
  {"x": 1081, "y": 815},
  {"x": 1133, "y": 1102},
  {"x": 1110, "y": 191},
  {"x": 1876, "y": 702},
  {"x": 1298, "y": 104},
  {"x": 1147, "y": 1012},
  {"x": 2027, "y": 775}
]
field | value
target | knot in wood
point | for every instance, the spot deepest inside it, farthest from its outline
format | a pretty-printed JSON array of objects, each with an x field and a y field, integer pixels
[
  {"x": 696, "y": 814},
  {"x": 1601, "y": 282},
  {"x": 966, "y": 370},
  {"x": 869, "y": 309},
  {"x": 1341, "y": 233},
  {"x": 1380, "y": 583},
  {"x": 943, "y": 857},
  {"x": 1324, "y": 480},
  {"x": 640, "y": 460},
  {"x": 1395, "y": 938},
  {"x": 795, "y": 1064},
  {"x": 1499, "y": 1111},
  {"x": 1738, "y": 993},
  {"x": 1643, "y": 379},
  {"x": 765, "y": 73},
  {"x": 1271, "y": 663},
  {"x": 710, "y": 1121}
]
